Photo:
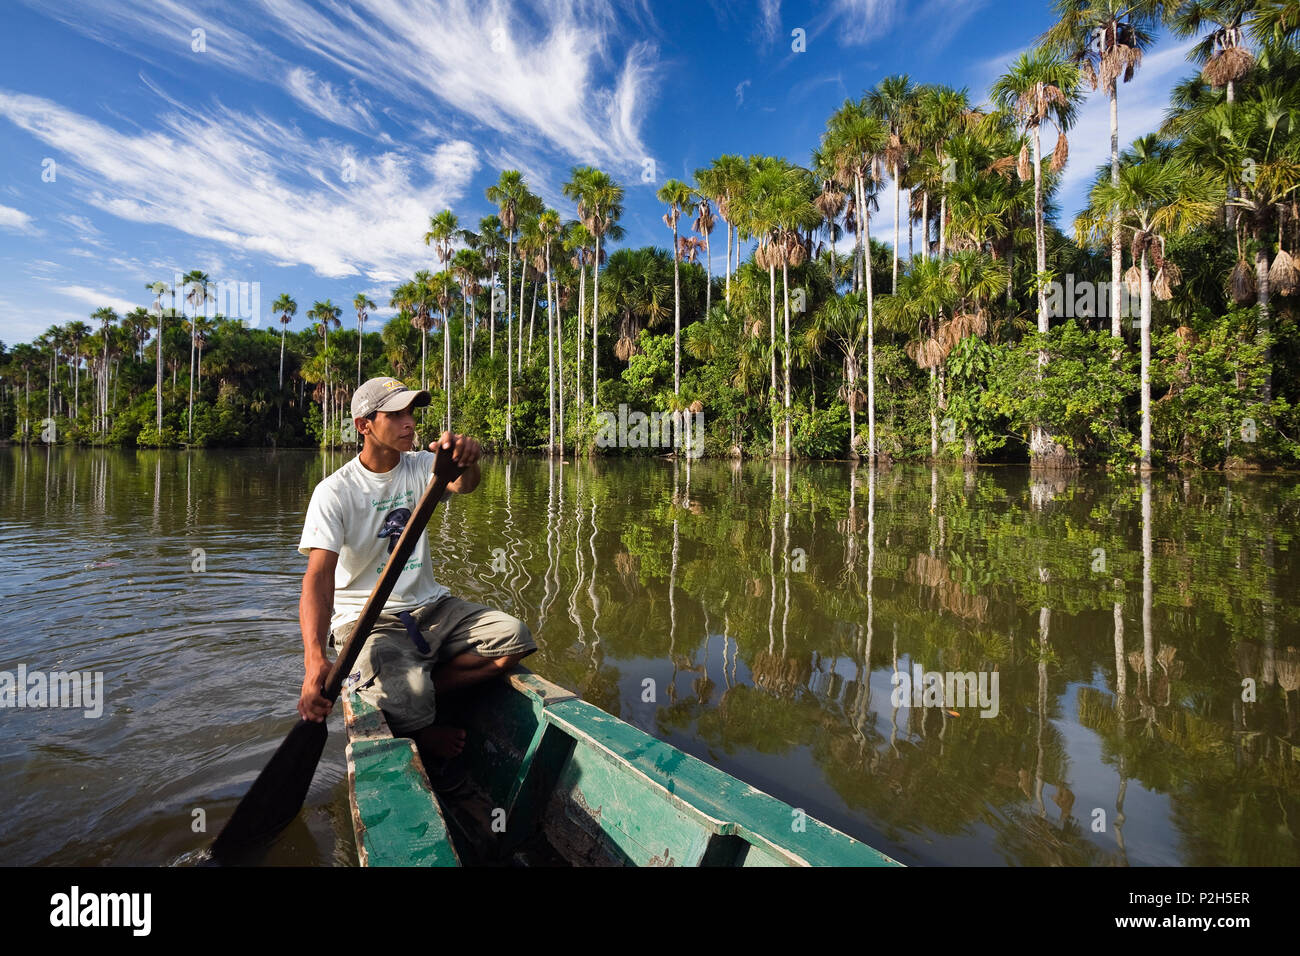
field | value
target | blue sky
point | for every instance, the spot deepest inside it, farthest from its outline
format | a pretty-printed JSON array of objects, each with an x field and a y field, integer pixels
[{"x": 304, "y": 146}]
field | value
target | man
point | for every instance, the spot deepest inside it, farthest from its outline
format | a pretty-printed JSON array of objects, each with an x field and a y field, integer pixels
[{"x": 426, "y": 642}]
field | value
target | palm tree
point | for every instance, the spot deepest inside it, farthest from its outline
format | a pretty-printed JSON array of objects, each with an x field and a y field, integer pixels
[
  {"x": 795, "y": 215},
  {"x": 703, "y": 225},
  {"x": 287, "y": 309},
  {"x": 854, "y": 144},
  {"x": 1041, "y": 87},
  {"x": 680, "y": 199},
  {"x": 491, "y": 240},
  {"x": 325, "y": 313},
  {"x": 106, "y": 317},
  {"x": 159, "y": 289},
  {"x": 843, "y": 321},
  {"x": 509, "y": 193},
  {"x": 1154, "y": 200},
  {"x": 195, "y": 283},
  {"x": 1106, "y": 38},
  {"x": 548, "y": 225},
  {"x": 1222, "y": 52},
  {"x": 442, "y": 288},
  {"x": 362, "y": 304},
  {"x": 893, "y": 101},
  {"x": 600, "y": 206},
  {"x": 723, "y": 181},
  {"x": 443, "y": 230}
]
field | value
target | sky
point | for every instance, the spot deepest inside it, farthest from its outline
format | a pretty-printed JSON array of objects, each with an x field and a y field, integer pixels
[{"x": 302, "y": 147}]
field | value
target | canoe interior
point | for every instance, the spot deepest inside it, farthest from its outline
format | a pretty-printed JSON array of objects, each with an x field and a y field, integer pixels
[{"x": 553, "y": 780}]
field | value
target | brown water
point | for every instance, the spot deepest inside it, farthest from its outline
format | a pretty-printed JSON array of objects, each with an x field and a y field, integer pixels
[{"x": 770, "y": 607}]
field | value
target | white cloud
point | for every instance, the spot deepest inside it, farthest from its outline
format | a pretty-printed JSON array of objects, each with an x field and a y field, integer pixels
[
  {"x": 95, "y": 298},
  {"x": 15, "y": 219},
  {"x": 324, "y": 100},
  {"x": 249, "y": 183},
  {"x": 858, "y": 22},
  {"x": 740, "y": 91},
  {"x": 770, "y": 17}
]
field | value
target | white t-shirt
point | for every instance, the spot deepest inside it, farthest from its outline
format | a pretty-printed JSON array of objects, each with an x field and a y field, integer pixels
[{"x": 359, "y": 514}]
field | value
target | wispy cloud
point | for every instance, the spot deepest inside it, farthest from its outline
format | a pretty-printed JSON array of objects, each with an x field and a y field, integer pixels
[
  {"x": 857, "y": 22},
  {"x": 740, "y": 91},
  {"x": 324, "y": 100},
  {"x": 252, "y": 184},
  {"x": 96, "y": 298},
  {"x": 769, "y": 13},
  {"x": 15, "y": 219}
]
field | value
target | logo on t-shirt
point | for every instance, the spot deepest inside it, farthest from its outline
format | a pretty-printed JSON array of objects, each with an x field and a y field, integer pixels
[{"x": 394, "y": 522}]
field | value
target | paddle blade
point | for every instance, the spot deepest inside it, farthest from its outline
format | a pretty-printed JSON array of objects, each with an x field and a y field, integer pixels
[{"x": 276, "y": 795}]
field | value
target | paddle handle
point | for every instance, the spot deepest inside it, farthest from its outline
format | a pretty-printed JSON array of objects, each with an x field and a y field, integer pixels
[{"x": 445, "y": 471}]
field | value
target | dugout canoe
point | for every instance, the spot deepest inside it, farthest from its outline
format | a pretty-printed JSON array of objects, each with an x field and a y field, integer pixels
[{"x": 553, "y": 780}]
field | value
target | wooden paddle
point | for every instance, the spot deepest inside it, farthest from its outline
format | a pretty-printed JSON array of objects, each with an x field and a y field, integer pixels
[{"x": 281, "y": 789}]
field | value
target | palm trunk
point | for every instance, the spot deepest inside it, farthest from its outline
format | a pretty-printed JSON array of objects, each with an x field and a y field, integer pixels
[
  {"x": 708, "y": 274},
  {"x": 865, "y": 232},
  {"x": 771, "y": 395},
  {"x": 550, "y": 357},
  {"x": 728, "y": 261},
  {"x": 510, "y": 363},
  {"x": 785, "y": 291},
  {"x": 1265, "y": 324},
  {"x": 925, "y": 225},
  {"x": 190, "y": 426},
  {"x": 943, "y": 224},
  {"x": 1146, "y": 365},
  {"x": 492, "y": 310},
  {"x": 358, "y": 353},
  {"x": 894, "y": 289},
  {"x": 446, "y": 359},
  {"x": 677, "y": 317},
  {"x": 595, "y": 315},
  {"x": 1116, "y": 241},
  {"x": 581, "y": 327}
]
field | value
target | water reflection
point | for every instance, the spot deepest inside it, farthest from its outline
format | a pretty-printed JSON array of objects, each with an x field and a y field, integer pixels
[{"x": 758, "y": 616}]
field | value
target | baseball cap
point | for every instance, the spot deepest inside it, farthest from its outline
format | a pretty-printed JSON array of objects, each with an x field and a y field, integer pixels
[{"x": 386, "y": 395}]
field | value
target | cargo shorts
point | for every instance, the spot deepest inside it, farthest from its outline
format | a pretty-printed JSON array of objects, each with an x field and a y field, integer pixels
[{"x": 394, "y": 670}]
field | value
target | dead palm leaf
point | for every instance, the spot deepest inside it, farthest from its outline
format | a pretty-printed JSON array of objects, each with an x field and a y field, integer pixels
[
  {"x": 1283, "y": 275},
  {"x": 1227, "y": 66},
  {"x": 1133, "y": 279},
  {"x": 1061, "y": 154},
  {"x": 1242, "y": 283},
  {"x": 1023, "y": 168}
]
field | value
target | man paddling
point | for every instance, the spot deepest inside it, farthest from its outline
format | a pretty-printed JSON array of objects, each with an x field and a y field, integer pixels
[{"x": 427, "y": 641}]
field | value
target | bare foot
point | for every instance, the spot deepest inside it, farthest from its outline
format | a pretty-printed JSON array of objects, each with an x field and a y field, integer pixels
[{"x": 443, "y": 742}]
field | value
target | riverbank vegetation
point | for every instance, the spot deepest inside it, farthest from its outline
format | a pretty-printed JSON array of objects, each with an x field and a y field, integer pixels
[{"x": 1156, "y": 329}]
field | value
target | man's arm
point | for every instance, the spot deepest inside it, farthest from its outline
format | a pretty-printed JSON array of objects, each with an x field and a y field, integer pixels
[{"x": 314, "y": 610}]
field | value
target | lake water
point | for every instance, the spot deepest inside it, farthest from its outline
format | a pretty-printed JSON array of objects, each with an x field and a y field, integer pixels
[{"x": 1137, "y": 640}]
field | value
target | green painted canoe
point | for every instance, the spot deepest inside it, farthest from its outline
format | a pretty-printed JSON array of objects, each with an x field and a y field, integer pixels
[{"x": 553, "y": 780}]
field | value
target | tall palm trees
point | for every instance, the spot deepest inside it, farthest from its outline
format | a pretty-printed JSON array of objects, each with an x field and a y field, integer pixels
[
  {"x": 1106, "y": 38},
  {"x": 325, "y": 314},
  {"x": 854, "y": 142},
  {"x": 362, "y": 304},
  {"x": 1153, "y": 200},
  {"x": 703, "y": 225},
  {"x": 600, "y": 206},
  {"x": 509, "y": 193},
  {"x": 893, "y": 101},
  {"x": 197, "y": 295},
  {"x": 159, "y": 289},
  {"x": 106, "y": 317},
  {"x": 679, "y": 198},
  {"x": 1040, "y": 88}
]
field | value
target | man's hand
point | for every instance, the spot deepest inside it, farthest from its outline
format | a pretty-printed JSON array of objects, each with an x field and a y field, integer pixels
[
  {"x": 465, "y": 451},
  {"x": 312, "y": 705}
]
